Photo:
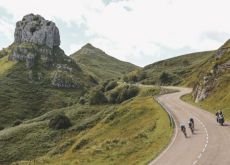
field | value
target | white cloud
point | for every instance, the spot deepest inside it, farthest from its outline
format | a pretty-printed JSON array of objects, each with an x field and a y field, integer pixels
[
  {"x": 134, "y": 35},
  {"x": 74, "y": 48},
  {"x": 6, "y": 29}
]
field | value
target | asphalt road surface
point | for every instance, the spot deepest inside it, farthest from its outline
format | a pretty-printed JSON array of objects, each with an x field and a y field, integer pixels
[{"x": 210, "y": 143}]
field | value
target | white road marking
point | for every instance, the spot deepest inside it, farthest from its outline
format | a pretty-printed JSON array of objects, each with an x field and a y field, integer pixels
[
  {"x": 194, "y": 162},
  {"x": 175, "y": 135},
  {"x": 206, "y": 143}
]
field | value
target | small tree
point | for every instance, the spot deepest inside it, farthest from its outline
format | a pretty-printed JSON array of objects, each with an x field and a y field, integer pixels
[
  {"x": 59, "y": 122},
  {"x": 111, "y": 85},
  {"x": 82, "y": 100},
  {"x": 97, "y": 97},
  {"x": 165, "y": 78},
  {"x": 113, "y": 97},
  {"x": 16, "y": 123}
]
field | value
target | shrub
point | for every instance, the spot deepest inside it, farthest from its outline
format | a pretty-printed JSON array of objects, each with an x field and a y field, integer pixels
[
  {"x": 113, "y": 97},
  {"x": 82, "y": 100},
  {"x": 60, "y": 122},
  {"x": 165, "y": 78},
  {"x": 135, "y": 76},
  {"x": 16, "y": 123},
  {"x": 1, "y": 128},
  {"x": 111, "y": 85},
  {"x": 97, "y": 97},
  {"x": 121, "y": 94},
  {"x": 127, "y": 93}
]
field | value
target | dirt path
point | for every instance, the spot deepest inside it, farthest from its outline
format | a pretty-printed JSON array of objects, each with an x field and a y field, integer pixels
[{"x": 210, "y": 145}]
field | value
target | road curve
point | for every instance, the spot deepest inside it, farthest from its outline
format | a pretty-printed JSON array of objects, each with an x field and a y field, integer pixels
[{"x": 209, "y": 145}]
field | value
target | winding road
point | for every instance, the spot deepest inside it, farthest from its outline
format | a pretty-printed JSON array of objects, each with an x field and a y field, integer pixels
[{"x": 209, "y": 145}]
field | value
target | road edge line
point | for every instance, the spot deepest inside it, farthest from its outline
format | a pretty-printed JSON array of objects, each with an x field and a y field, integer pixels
[{"x": 175, "y": 130}]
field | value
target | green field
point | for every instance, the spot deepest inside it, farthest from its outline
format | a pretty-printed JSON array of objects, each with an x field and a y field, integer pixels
[{"x": 133, "y": 132}]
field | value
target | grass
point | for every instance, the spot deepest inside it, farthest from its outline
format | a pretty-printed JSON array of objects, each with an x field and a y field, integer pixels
[
  {"x": 218, "y": 100},
  {"x": 5, "y": 65},
  {"x": 19, "y": 142},
  {"x": 133, "y": 132},
  {"x": 24, "y": 96},
  {"x": 218, "y": 97},
  {"x": 21, "y": 99}
]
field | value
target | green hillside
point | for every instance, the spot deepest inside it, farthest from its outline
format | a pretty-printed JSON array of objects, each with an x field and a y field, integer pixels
[
  {"x": 213, "y": 83},
  {"x": 178, "y": 70},
  {"x": 100, "y": 65},
  {"x": 123, "y": 133},
  {"x": 29, "y": 92}
]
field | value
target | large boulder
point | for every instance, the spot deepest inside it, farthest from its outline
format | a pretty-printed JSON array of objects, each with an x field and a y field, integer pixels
[{"x": 35, "y": 29}]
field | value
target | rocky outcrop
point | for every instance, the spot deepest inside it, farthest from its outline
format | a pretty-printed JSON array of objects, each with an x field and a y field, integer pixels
[
  {"x": 64, "y": 78},
  {"x": 210, "y": 80},
  {"x": 23, "y": 54},
  {"x": 30, "y": 32},
  {"x": 37, "y": 45},
  {"x": 202, "y": 90},
  {"x": 35, "y": 29}
]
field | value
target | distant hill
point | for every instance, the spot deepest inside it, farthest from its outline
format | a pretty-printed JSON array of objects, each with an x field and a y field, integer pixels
[
  {"x": 177, "y": 70},
  {"x": 100, "y": 65}
]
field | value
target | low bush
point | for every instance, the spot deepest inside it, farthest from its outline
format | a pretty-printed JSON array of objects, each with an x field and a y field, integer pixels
[
  {"x": 16, "y": 123},
  {"x": 60, "y": 122},
  {"x": 82, "y": 100},
  {"x": 97, "y": 97},
  {"x": 124, "y": 93},
  {"x": 111, "y": 85}
]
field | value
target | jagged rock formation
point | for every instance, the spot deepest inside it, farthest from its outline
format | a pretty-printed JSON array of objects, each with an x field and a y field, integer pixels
[
  {"x": 36, "y": 44},
  {"x": 219, "y": 65},
  {"x": 35, "y": 29}
]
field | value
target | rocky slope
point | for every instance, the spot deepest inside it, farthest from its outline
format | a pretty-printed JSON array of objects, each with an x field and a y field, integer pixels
[
  {"x": 35, "y": 73},
  {"x": 214, "y": 74},
  {"x": 101, "y": 65}
]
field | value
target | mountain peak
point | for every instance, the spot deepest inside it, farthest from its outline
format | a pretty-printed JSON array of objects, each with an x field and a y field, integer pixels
[
  {"x": 35, "y": 29},
  {"x": 89, "y": 46}
]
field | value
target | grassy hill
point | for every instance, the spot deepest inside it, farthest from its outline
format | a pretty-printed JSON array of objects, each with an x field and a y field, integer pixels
[
  {"x": 213, "y": 83},
  {"x": 126, "y": 133},
  {"x": 179, "y": 70},
  {"x": 29, "y": 92},
  {"x": 100, "y": 65},
  {"x": 207, "y": 72}
]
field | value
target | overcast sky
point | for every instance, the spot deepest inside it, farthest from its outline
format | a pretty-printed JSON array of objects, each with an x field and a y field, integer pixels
[{"x": 138, "y": 31}]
